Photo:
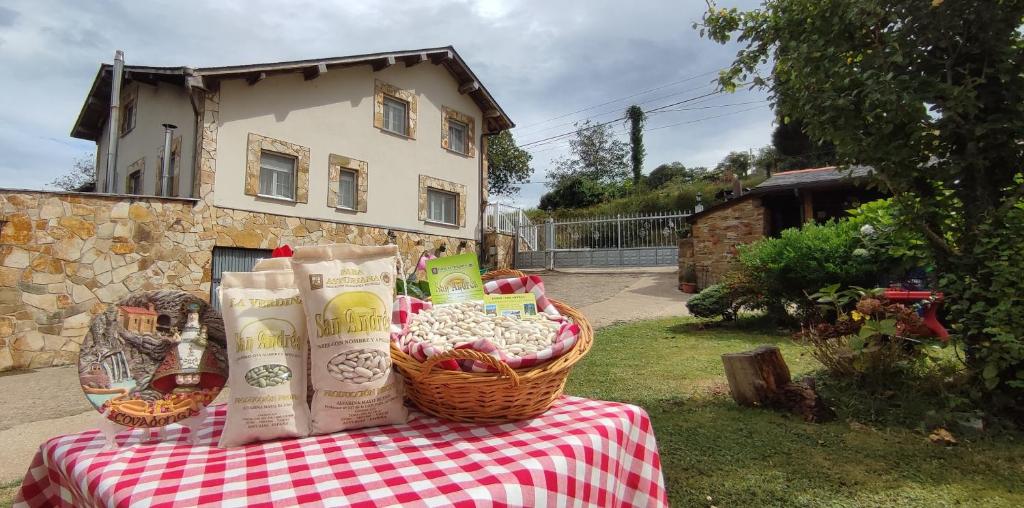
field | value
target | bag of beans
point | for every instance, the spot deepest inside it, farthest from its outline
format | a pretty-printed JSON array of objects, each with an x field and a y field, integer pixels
[
  {"x": 266, "y": 336},
  {"x": 285, "y": 263},
  {"x": 348, "y": 293}
]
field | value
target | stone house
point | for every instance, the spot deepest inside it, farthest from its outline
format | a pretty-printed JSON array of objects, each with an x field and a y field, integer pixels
[
  {"x": 369, "y": 149},
  {"x": 785, "y": 200},
  {"x": 140, "y": 320}
]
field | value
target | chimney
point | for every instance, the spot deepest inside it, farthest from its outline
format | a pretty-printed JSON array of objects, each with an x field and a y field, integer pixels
[
  {"x": 737, "y": 187},
  {"x": 114, "y": 122}
]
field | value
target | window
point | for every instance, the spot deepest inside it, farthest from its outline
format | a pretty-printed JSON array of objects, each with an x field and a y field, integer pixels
[
  {"x": 277, "y": 175},
  {"x": 441, "y": 206},
  {"x": 458, "y": 130},
  {"x": 457, "y": 136},
  {"x": 128, "y": 117},
  {"x": 134, "y": 183},
  {"x": 395, "y": 116},
  {"x": 347, "y": 189}
]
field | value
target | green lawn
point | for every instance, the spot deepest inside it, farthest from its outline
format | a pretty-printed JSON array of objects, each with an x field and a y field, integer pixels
[{"x": 875, "y": 454}]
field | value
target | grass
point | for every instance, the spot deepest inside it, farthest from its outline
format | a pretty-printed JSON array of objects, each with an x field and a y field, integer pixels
[
  {"x": 7, "y": 492},
  {"x": 874, "y": 454}
]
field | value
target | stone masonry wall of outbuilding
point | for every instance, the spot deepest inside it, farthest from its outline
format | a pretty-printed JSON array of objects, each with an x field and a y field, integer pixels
[{"x": 717, "y": 234}]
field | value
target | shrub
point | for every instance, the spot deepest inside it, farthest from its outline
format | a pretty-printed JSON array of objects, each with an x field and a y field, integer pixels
[
  {"x": 713, "y": 301},
  {"x": 783, "y": 271}
]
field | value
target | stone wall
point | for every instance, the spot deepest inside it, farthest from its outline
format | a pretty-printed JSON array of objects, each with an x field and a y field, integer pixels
[
  {"x": 502, "y": 255},
  {"x": 65, "y": 256},
  {"x": 717, "y": 234}
]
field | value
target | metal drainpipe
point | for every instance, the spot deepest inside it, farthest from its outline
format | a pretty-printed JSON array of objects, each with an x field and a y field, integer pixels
[
  {"x": 482, "y": 156},
  {"x": 114, "y": 122},
  {"x": 166, "y": 169}
]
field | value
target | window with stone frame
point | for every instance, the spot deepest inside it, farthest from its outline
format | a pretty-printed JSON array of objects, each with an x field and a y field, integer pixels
[
  {"x": 133, "y": 184},
  {"x": 458, "y": 131},
  {"x": 346, "y": 183},
  {"x": 442, "y": 202},
  {"x": 276, "y": 169},
  {"x": 277, "y": 175},
  {"x": 394, "y": 109},
  {"x": 128, "y": 117},
  {"x": 441, "y": 206}
]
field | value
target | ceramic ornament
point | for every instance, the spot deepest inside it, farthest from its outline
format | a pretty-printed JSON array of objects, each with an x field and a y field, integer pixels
[{"x": 153, "y": 359}]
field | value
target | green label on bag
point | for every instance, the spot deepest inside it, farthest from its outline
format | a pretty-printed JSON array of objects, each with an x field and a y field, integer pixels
[{"x": 454, "y": 279}]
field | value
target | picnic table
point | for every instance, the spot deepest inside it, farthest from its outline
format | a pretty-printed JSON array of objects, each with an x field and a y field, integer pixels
[{"x": 580, "y": 453}]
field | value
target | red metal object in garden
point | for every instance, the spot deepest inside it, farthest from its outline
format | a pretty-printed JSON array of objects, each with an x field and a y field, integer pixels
[
  {"x": 929, "y": 318},
  {"x": 283, "y": 251}
]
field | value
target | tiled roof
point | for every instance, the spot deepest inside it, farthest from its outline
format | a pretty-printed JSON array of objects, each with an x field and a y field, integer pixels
[
  {"x": 812, "y": 177},
  {"x": 137, "y": 310}
]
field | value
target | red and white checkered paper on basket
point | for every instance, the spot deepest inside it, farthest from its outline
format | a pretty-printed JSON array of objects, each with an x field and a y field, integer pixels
[{"x": 567, "y": 335}]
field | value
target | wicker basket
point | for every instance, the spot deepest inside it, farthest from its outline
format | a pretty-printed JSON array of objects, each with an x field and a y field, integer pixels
[{"x": 491, "y": 397}]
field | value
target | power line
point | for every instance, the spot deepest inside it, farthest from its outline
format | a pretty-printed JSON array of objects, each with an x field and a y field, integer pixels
[
  {"x": 684, "y": 101},
  {"x": 616, "y": 110},
  {"x": 588, "y": 108}
]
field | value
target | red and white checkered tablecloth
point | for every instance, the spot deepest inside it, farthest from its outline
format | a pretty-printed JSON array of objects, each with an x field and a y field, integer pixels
[{"x": 580, "y": 453}]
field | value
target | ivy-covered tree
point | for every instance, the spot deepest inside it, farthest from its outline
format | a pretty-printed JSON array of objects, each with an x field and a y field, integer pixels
[
  {"x": 507, "y": 165},
  {"x": 636, "y": 117},
  {"x": 931, "y": 94}
]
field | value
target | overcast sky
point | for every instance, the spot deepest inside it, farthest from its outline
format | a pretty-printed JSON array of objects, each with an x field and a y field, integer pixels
[{"x": 543, "y": 61}]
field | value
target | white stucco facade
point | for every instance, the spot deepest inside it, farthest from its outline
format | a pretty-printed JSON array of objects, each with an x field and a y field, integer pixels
[
  {"x": 155, "y": 105},
  {"x": 334, "y": 114}
]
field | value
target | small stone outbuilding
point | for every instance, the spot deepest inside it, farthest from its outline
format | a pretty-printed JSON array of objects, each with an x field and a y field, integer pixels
[{"x": 783, "y": 201}]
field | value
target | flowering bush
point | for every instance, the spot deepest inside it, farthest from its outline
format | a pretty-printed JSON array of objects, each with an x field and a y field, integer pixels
[{"x": 869, "y": 336}]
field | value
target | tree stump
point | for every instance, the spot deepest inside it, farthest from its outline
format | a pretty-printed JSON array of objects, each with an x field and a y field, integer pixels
[{"x": 760, "y": 378}]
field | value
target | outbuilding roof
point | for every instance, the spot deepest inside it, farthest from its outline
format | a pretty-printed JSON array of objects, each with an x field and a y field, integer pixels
[
  {"x": 829, "y": 176},
  {"x": 94, "y": 111},
  {"x": 814, "y": 177}
]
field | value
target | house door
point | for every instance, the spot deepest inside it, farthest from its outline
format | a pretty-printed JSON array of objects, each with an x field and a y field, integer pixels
[{"x": 229, "y": 259}]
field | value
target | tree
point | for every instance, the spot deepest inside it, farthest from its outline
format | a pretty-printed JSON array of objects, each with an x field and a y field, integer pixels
[
  {"x": 573, "y": 192},
  {"x": 796, "y": 150},
  {"x": 81, "y": 178},
  {"x": 668, "y": 172},
  {"x": 507, "y": 165},
  {"x": 767, "y": 160},
  {"x": 636, "y": 118},
  {"x": 740, "y": 163},
  {"x": 931, "y": 95},
  {"x": 594, "y": 154}
]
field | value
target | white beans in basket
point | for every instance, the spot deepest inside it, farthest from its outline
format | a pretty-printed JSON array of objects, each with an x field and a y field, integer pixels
[{"x": 450, "y": 326}]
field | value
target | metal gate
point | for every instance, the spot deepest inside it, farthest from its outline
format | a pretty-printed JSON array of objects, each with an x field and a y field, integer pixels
[
  {"x": 229, "y": 259},
  {"x": 623, "y": 240}
]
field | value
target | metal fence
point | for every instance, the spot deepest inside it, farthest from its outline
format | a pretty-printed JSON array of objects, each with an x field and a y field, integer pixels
[
  {"x": 511, "y": 221},
  {"x": 645, "y": 239}
]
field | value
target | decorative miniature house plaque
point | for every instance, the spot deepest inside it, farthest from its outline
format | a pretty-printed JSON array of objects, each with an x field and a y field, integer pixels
[{"x": 153, "y": 359}]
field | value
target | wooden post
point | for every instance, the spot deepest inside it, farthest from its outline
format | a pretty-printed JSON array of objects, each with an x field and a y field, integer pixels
[
  {"x": 808, "y": 205},
  {"x": 760, "y": 378}
]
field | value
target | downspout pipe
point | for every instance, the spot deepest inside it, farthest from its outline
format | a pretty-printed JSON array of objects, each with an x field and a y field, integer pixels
[
  {"x": 482, "y": 156},
  {"x": 166, "y": 169},
  {"x": 114, "y": 122}
]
